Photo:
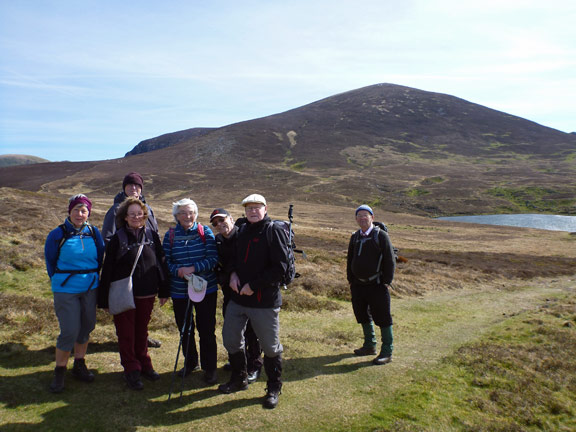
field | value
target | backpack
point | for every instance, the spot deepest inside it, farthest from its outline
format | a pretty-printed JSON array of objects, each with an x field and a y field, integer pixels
[
  {"x": 125, "y": 247},
  {"x": 289, "y": 247},
  {"x": 66, "y": 235},
  {"x": 374, "y": 237},
  {"x": 171, "y": 231}
]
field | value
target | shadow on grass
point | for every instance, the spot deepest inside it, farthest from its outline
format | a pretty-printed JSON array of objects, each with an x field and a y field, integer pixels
[
  {"x": 15, "y": 355},
  {"x": 107, "y": 404}
]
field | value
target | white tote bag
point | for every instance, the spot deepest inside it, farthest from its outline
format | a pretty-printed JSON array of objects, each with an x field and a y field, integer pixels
[{"x": 121, "y": 296}]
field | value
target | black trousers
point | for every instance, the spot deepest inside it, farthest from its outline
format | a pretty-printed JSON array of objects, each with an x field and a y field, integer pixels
[
  {"x": 201, "y": 316},
  {"x": 371, "y": 302}
]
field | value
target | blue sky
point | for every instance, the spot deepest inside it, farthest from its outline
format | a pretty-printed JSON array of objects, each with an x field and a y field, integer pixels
[{"x": 88, "y": 80}]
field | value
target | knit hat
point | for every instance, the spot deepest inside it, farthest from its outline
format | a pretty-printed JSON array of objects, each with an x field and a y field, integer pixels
[
  {"x": 133, "y": 178},
  {"x": 220, "y": 212},
  {"x": 365, "y": 207},
  {"x": 79, "y": 199}
]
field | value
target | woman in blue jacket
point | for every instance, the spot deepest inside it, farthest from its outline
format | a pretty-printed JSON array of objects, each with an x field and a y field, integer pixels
[
  {"x": 191, "y": 249},
  {"x": 73, "y": 253}
]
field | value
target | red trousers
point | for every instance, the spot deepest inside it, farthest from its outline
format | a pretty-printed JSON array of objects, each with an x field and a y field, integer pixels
[{"x": 132, "y": 332}]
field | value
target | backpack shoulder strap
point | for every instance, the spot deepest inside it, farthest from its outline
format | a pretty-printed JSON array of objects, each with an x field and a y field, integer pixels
[
  {"x": 201, "y": 232},
  {"x": 64, "y": 236},
  {"x": 376, "y": 235}
]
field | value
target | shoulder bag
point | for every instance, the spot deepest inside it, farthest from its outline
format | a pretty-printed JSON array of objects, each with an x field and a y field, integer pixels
[{"x": 121, "y": 296}]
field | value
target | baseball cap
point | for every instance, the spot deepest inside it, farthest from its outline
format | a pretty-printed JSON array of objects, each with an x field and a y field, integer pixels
[{"x": 219, "y": 212}]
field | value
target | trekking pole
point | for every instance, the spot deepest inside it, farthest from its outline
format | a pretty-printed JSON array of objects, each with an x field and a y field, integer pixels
[
  {"x": 178, "y": 353},
  {"x": 191, "y": 323},
  {"x": 290, "y": 218}
]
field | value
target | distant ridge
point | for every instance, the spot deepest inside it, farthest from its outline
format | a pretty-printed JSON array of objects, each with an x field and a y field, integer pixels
[
  {"x": 394, "y": 147},
  {"x": 18, "y": 159},
  {"x": 167, "y": 140}
]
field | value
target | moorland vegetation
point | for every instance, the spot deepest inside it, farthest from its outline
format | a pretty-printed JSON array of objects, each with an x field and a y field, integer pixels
[{"x": 484, "y": 315}]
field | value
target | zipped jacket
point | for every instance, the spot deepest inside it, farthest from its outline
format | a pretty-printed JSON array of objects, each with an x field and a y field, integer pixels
[
  {"x": 370, "y": 259},
  {"x": 186, "y": 249},
  {"x": 261, "y": 261},
  {"x": 109, "y": 225},
  {"x": 150, "y": 276},
  {"x": 73, "y": 265}
]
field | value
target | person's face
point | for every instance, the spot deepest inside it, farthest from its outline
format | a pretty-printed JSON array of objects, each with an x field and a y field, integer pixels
[
  {"x": 135, "y": 216},
  {"x": 79, "y": 215},
  {"x": 255, "y": 212},
  {"x": 364, "y": 219},
  {"x": 186, "y": 216},
  {"x": 224, "y": 225},
  {"x": 132, "y": 190}
]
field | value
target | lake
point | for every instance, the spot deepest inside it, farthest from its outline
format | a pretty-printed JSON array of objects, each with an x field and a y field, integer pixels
[{"x": 540, "y": 221}]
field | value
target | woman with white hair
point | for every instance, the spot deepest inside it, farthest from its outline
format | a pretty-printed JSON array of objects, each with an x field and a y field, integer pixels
[{"x": 190, "y": 248}]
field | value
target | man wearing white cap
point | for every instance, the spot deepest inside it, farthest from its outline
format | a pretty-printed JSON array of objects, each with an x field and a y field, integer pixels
[
  {"x": 259, "y": 264},
  {"x": 370, "y": 269}
]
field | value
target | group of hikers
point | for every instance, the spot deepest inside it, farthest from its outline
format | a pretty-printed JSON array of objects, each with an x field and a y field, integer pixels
[{"x": 248, "y": 258}]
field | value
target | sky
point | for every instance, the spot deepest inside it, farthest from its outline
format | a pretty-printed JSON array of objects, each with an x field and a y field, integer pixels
[{"x": 88, "y": 80}]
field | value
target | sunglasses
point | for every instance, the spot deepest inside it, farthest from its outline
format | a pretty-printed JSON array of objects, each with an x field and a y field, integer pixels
[{"x": 218, "y": 221}]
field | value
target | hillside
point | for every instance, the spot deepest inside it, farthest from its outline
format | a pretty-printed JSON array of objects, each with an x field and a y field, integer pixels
[
  {"x": 17, "y": 159},
  {"x": 399, "y": 148},
  {"x": 168, "y": 140}
]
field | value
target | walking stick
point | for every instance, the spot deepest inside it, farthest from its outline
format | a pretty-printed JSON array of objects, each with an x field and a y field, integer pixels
[
  {"x": 190, "y": 324},
  {"x": 178, "y": 353}
]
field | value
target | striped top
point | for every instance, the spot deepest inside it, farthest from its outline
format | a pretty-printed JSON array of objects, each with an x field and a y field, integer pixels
[{"x": 188, "y": 249}]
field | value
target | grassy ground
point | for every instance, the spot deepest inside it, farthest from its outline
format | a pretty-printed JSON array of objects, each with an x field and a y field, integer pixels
[
  {"x": 484, "y": 338},
  {"x": 464, "y": 360}
]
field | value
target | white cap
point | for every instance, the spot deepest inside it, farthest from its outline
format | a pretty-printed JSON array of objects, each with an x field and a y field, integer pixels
[{"x": 254, "y": 198}]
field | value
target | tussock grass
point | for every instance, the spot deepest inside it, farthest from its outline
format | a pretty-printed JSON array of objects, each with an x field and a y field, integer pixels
[{"x": 464, "y": 291}]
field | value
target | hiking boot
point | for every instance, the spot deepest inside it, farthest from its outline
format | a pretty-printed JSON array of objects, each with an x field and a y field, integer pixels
[
  {"x": 185, "y": 371},
  {"x": 253, "y": 375},
  {"x": 271, "y": 398},
  {"x": 365, "y": 351},
  {"x": 154, "y": 343},
  {"x": 133, "y": 380},
  {"x": 151, "y": 375},
  {"x": 57, "y": 384},
  {"x": 210, "y": 377},
  {"x": 234, "y": 385},
  {"x": 382, "y": 359},
  {"x": 81, "y": 372}
]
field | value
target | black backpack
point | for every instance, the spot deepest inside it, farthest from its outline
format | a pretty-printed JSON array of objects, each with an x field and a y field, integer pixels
[
  {"x": 125, "y": 246},
  {"x": 288, "y": 244},
  {"x": 289, "y": 247},
  {"x": 374, "y": 237},
  {"x": 67, "y": 234}
]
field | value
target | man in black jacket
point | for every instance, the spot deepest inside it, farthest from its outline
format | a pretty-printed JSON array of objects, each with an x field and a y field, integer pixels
[
  {"x": 227, "y": 231},
  {"x": 370, "y": 269},
  {"x": 259, "y": 265}
]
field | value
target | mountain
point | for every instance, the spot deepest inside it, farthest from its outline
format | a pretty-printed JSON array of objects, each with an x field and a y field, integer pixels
[
  {"x": 17, "y": 159},
  {"x": 167, "y": 140},
  {"x": 395, "y": 147}
]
